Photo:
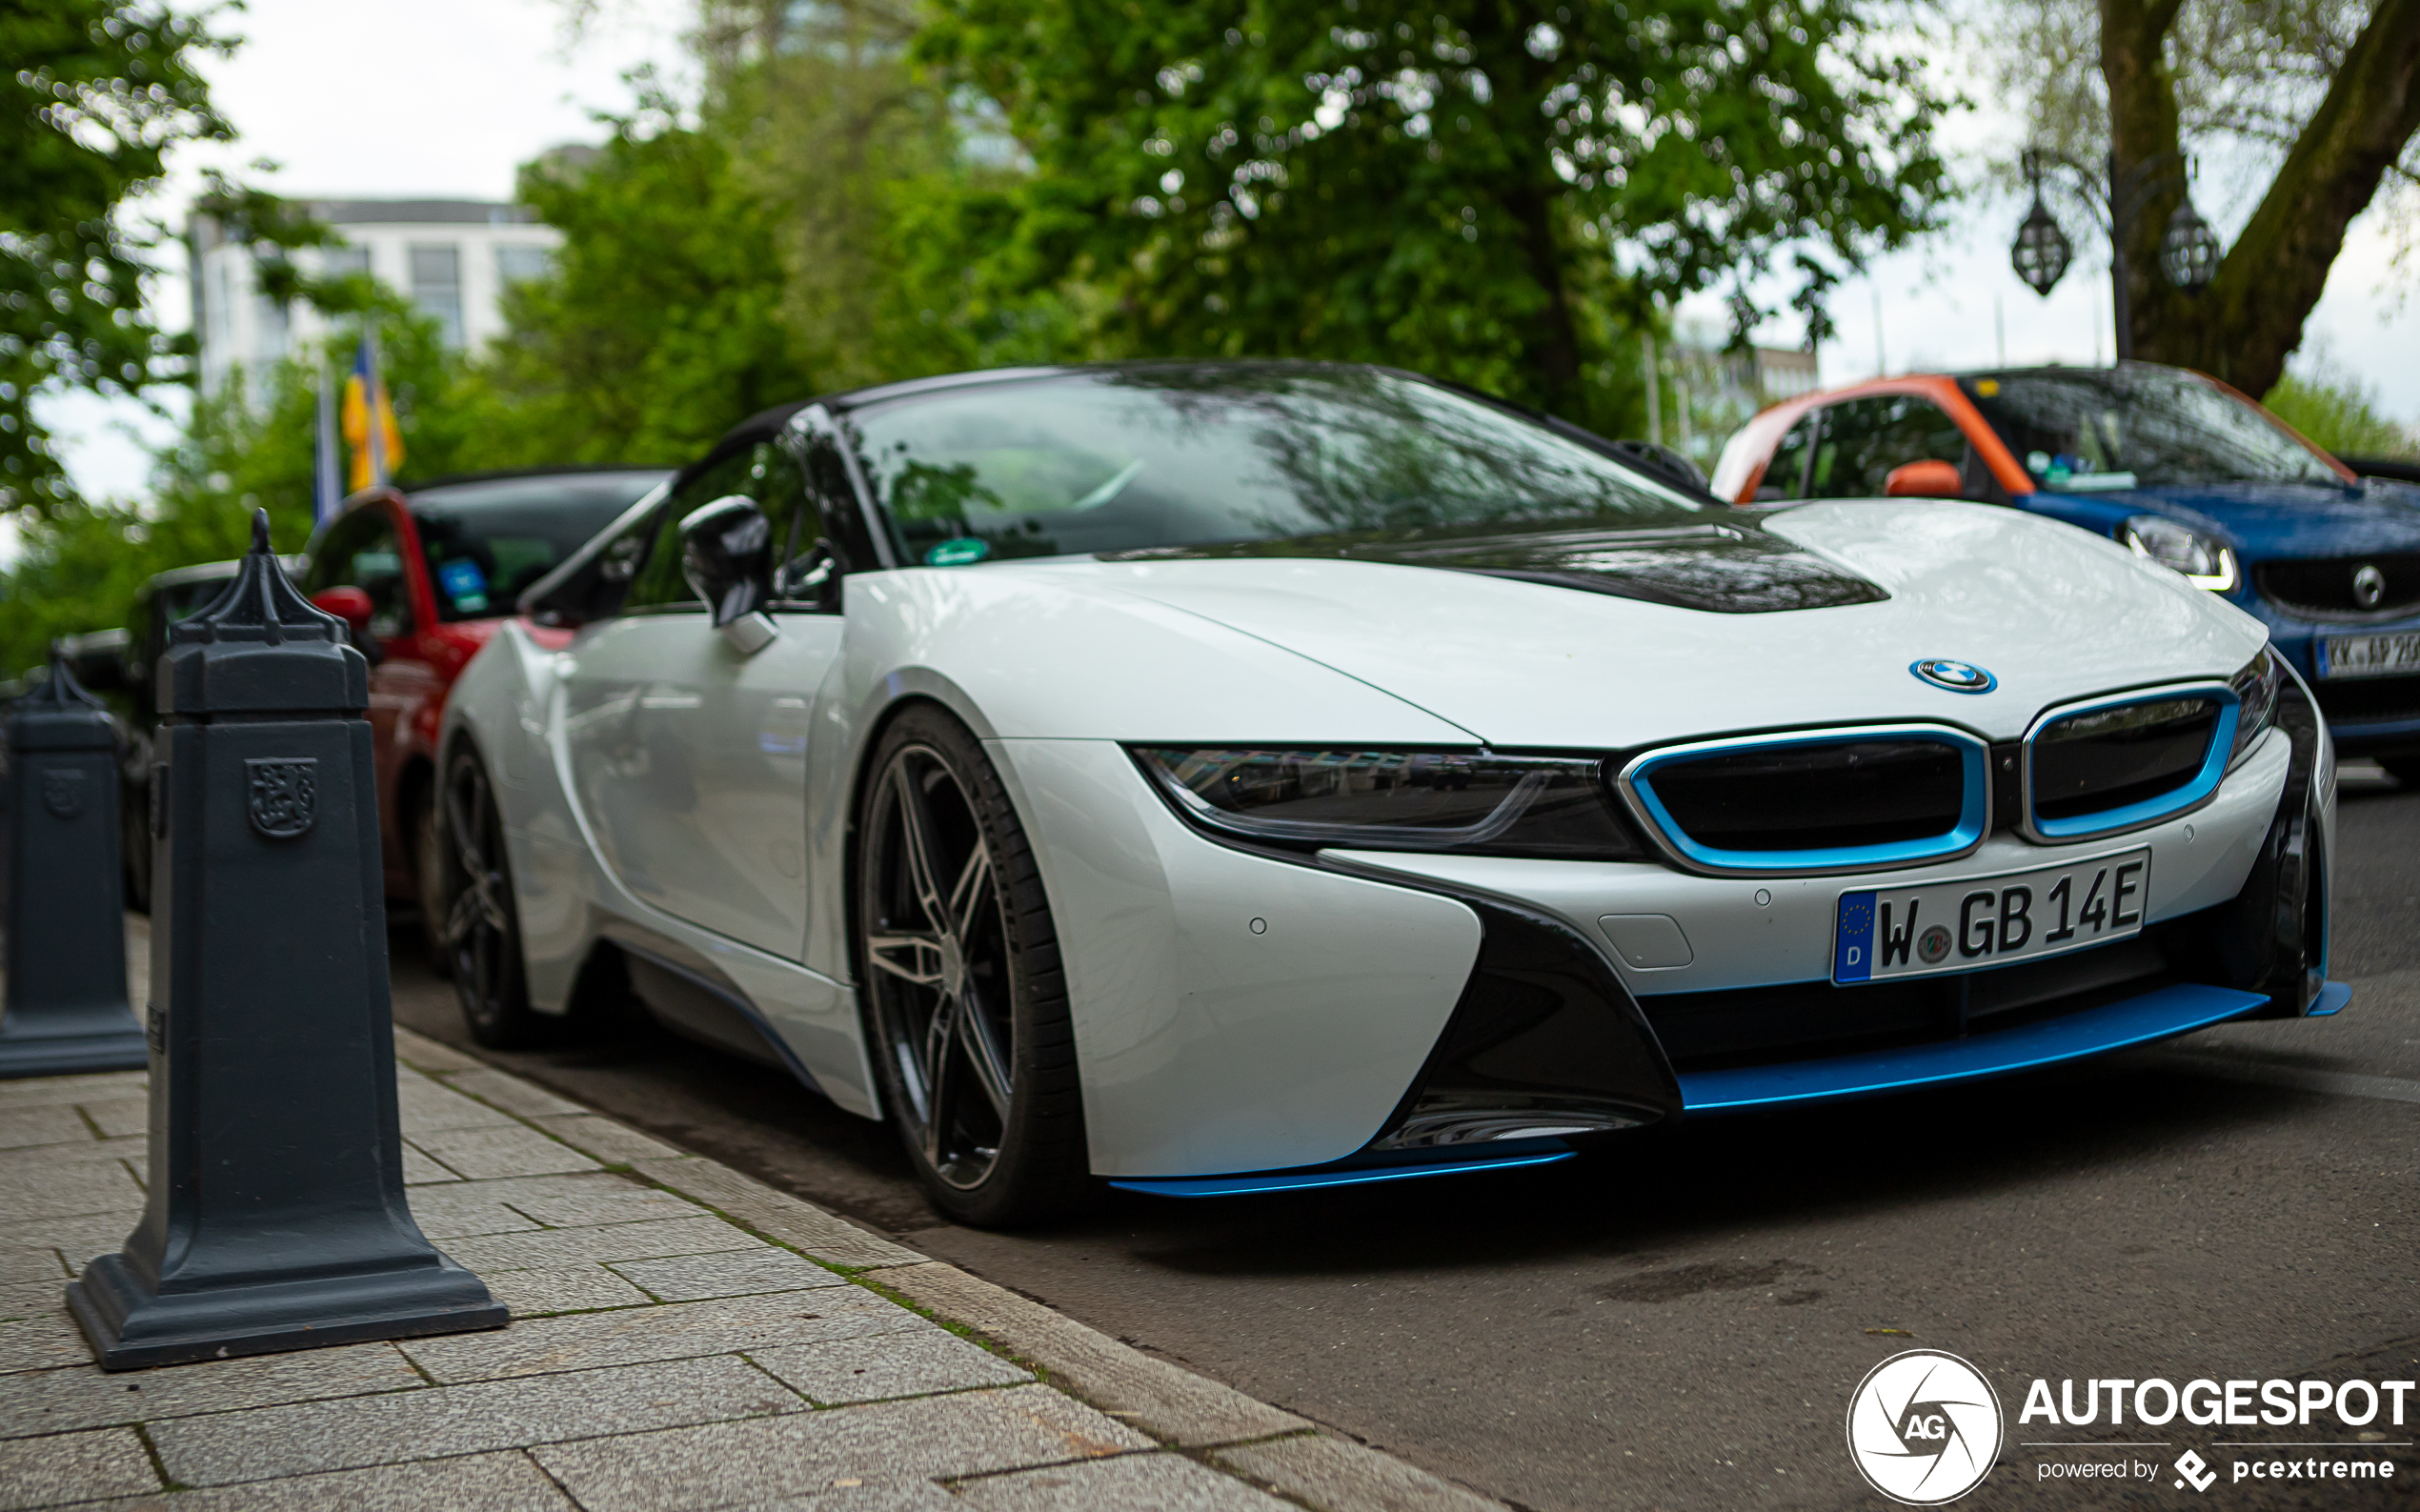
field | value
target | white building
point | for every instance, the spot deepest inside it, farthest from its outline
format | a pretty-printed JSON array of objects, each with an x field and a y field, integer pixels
[{"x": 451, "y": 257}]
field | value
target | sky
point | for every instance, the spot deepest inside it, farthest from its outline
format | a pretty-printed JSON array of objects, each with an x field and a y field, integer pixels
[{"x": 367, "y": 98}]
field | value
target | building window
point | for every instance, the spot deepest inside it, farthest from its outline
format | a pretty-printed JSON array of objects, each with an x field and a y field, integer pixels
[
  {"x": 268, "y": 322},
  {"x": 519, "y": 263},
  {"x": 338, "y": 262},
  {"x": 436, "y": 288}
]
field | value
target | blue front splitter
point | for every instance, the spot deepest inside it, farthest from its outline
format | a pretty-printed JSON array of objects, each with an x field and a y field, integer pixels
[
  {"x": 2158, "y": 1014},
  {"x": 1532, "y": 1152},
  {"x": 2132, "y": 1021}
]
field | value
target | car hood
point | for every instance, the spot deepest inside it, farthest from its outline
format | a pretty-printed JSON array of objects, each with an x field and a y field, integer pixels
[
  {"x": 2279, "y": 520},
  {"x": 1523, "y": 660}
]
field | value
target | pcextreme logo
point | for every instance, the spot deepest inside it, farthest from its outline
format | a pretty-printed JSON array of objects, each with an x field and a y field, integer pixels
[{"x": 1923, "y": 1427}]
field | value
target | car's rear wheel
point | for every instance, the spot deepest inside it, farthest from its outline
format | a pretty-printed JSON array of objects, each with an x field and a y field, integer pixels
[
  {"x": 431, "y": 876},
  {"x": 482, "y": 932},
  {"x": 965, "y": 999}
]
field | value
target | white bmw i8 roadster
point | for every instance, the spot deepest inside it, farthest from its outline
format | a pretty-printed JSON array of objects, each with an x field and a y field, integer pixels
[{"x": 1220, "y": 777}]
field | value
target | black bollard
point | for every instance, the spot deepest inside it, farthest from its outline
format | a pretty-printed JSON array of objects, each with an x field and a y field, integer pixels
[
  {"x": 277, "y": 1216},
  {"x": 67, "y": 1008}
]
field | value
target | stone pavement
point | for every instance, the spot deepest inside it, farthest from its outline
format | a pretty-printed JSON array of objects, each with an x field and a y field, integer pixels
[{"x": 683, "y": 1336}]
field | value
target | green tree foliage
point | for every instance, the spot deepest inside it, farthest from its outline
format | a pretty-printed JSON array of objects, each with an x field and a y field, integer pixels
[
  {"x": 249, "y": 447},
  {"x": 2338, "y": 412},
  {"x": 93, "y": 96},
  {"x": 1489, "y": 191},
  {"x": 663, "y": 320}
]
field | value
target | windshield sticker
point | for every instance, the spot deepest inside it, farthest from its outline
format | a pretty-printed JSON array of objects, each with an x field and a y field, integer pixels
[
  {"x": 464, "y": 584},
  {"x": 959, "y": 551}
]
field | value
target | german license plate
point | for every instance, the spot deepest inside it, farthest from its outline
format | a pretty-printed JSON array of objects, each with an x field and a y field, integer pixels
[
  {"x": 2370, "y": 656},
  {"x": 1965, "y": 925}
]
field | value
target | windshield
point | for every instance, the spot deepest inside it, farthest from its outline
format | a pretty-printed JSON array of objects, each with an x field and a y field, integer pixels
[
  {"x": 2137, "y": 426},
  {"x": 487, "y": 541},
  {"x": 1185, "y": 456}
]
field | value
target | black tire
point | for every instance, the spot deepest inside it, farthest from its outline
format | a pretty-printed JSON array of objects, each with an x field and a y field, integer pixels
[
  {"x": 965, "y": 999},
  {"x": 2403, "y": 767},
  {"x": 481, "y": 936},
  {"x": 432, "y": 880}
]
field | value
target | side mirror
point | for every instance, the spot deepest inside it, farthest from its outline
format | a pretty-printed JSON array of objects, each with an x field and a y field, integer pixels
[
  {"x": 726, "y": 553},
  {"x": 355, "y": 606},
  {"x": 1925, "y": 479}
]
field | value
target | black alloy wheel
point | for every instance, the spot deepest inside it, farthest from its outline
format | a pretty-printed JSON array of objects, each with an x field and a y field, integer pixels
[
  {"x": 965, "y": 999},
  {"x": 482, "y": 932}
]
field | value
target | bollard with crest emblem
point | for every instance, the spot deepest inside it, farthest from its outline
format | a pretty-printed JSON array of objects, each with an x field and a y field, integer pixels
[
  {"x": 276, "y": 1216},
  {"x": 67, "y": 1007}
]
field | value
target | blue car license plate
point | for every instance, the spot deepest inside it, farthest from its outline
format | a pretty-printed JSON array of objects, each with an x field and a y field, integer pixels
[{"x": 1885, "y": 934}]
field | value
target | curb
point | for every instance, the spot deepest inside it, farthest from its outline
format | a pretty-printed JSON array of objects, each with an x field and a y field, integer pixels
[{"x": 1268, "y": 1447}]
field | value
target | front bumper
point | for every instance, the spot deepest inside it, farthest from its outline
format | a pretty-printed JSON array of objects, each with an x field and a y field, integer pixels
[{"x": 1293, "y": 1071}]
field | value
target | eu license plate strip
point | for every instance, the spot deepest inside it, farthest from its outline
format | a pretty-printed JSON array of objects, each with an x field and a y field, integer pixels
[
  {"x": 1887, "y": 934},
  {"x": 2370, "y": 656}
]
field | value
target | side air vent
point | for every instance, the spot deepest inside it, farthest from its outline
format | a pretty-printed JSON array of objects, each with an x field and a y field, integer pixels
[
  {"x": 1816, "y": 801},
  {"x": 2120, "y": 763}
]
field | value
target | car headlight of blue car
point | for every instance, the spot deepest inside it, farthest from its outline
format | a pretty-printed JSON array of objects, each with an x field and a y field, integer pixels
[{"x": 2200, "y": 558}]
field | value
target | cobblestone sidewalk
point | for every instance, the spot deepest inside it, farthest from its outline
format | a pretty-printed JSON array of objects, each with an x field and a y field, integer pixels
[{"x": 683, "y": 1336}]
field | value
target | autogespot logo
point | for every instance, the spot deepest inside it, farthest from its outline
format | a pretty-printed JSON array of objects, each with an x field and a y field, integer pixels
[{"x": 1923, "y": 1427}]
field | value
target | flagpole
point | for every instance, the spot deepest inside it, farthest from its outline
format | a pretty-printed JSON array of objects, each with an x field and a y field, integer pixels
[
  {"x": 373, "y": 390},
  {"x": 327, "y": 487}
]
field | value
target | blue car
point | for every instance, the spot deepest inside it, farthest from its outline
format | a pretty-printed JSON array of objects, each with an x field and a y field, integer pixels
[{"x": 2180, "y": 468}]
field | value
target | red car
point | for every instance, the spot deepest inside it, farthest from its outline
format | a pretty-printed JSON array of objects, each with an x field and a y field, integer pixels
[{"x": 424, "y": 576}]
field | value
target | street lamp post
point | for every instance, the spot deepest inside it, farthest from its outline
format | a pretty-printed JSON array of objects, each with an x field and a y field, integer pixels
[{"x": 2189, "y": 250}]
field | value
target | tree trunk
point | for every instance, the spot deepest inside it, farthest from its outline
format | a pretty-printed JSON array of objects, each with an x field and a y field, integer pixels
[
  {"x": 2147, "y": 160},
  {"x": 1530, "y": 195},
  {"x": 2244, "y": 326}
]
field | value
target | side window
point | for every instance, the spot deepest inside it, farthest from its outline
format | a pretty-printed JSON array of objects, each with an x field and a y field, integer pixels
[
  {"x": 807, "y": 579},
  {"x": 658, "y": 585},
  {"x": 1849, "y": 432},
  {"x": 1912, "y": 430},
  {"x": 1785, "y": 476},
  {"x": 361, "y": 552}
]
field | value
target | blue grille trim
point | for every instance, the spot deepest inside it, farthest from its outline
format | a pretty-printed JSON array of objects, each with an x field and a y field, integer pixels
[
  {"x": 1974, "y": 813},
  {"x": 2150, "y": 811}
]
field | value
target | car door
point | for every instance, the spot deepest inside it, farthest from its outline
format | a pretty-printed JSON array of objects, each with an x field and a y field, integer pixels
[
  {"x": 364, "y": 550},
  {"x": 688, "y": 755}
]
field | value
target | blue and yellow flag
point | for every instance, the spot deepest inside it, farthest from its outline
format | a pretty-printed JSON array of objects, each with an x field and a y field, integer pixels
[{"x": 377, "y": 451}]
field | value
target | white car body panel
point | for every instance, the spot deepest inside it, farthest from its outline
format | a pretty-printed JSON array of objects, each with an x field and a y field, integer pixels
[
  {"x": 1209, "y": 1046},
  {"x": 1527, "y": 665}
]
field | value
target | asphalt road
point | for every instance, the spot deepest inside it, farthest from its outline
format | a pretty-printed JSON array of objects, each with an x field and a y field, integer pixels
[{"x": 1679, "y": 1320}]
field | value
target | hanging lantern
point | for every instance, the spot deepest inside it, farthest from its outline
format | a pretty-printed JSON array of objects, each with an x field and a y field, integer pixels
[
  {"x": 2042, "y": 250},
  {"x": 2189, "y": 250}
]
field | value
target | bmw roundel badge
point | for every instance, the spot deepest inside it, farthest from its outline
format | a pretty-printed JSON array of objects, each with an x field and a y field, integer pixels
[{"x": 1958, "y": 677}]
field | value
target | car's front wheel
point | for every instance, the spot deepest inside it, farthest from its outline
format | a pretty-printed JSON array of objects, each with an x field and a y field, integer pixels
[
  {"x": 482, "y": 934},
  {"x": 965, "y": 999}
]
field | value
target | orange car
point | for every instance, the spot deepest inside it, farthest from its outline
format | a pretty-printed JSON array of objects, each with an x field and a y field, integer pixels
[{"x": 2172, "y": 464}]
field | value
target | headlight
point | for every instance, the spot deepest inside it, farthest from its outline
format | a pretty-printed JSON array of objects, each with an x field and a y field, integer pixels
[
  {"x": 1397, "y": 800},
  {"x": 2256, "y": 691},
  {"x": 2203, "y": 560}
]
